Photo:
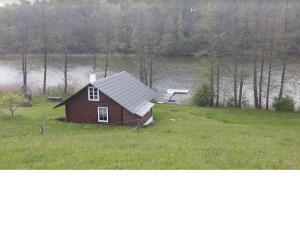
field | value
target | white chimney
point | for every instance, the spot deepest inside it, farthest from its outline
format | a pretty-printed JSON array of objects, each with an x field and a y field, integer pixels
[{"x": 93, "y": 77}]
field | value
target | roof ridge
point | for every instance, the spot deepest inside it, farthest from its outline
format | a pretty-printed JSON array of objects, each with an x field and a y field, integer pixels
[{"x": 119, "y": 73}]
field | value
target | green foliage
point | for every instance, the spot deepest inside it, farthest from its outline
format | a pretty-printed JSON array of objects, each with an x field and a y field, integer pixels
[
  {"x": 11, "y": 102},
  {"x": 285, "y": 104},
  {"x": 203, "y": 96}
]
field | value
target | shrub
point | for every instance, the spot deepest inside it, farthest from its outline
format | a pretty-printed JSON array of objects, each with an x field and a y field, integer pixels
[
  {"x": 286, "y": 104},
  {"x": 11, "y": 102},
  {"x": 203, "y": 96}
]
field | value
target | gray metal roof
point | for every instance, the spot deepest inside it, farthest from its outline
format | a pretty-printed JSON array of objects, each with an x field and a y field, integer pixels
[{"x": 127, "y": 91}]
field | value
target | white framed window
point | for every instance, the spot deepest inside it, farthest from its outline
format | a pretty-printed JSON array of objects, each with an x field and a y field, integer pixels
[
  {"x": 93, "y": 94},
  {"x": 102, "y": 114}
]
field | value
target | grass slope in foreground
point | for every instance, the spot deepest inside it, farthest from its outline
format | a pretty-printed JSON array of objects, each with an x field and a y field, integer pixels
[{"x": 183, "y": 137}]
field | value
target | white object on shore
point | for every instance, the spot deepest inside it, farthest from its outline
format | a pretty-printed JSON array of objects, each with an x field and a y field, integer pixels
[
  {"x": 177, "y": 91},
  {"x": 170, "y": 93}
]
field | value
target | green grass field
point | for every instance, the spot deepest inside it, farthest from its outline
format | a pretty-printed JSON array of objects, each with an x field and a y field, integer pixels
[{"x": 183, "y": 137}]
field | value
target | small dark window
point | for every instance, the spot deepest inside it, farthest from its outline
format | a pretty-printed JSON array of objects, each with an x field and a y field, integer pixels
[{"x": 93, "y": 94}]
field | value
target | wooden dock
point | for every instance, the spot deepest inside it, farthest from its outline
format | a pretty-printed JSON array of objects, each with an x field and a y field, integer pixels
[{"x": 168, "y": 97}]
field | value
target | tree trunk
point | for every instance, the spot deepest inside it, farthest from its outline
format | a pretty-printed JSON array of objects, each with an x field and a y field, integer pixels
[
  {"x": 146, "y": 77},
  {"x": 23, "y": 68},
  {"x": 45, "y": 72},
  {"x": 24, "y": 65},
  {"x": 235, "y": 75},
  {"x": 95, "y": 62},
  {"x": 235, "y": 84},
  {"x": 263, "y": 63},
  {"x": 284, "y": 62},
  {"x": 282, "y": 80},
  {"x": 261, "y": 79},
  {"x": 141, "y": 47},
  {"x": 212, "y": 81},
  {"x": 269, "y": 83},
  {"x": 106, "y": 64},
  {"x": 45, "y": 48},
  {"x": 241, "y": 90},
  {"x": 255, "y": 82},
  {"x": 141, "y": 72},
  {"x": 255, "y": 92},
  {"x": 151, "y": 73},
  {"x": 242, "y": 81},
  {"x": 218, "y": 84},
  {"x": 271, "y": 59},
  {"x": 244, "y": 60},
  {"x": 66, "y": 74}
]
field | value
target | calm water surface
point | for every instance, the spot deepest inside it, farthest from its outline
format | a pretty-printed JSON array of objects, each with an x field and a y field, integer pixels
[{"x": 176, "y": 73}]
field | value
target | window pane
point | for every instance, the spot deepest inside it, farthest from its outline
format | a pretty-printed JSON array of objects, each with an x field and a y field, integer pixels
[{"x": 103, "y": 114}]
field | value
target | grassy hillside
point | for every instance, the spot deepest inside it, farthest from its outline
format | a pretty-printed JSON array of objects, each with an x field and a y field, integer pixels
[{"x": 183, "y": 137}]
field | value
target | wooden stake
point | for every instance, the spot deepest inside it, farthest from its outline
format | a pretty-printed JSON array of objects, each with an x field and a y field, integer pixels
[
  {"x": 138, "y": 125},
  {"x": 42, "y": 128}
]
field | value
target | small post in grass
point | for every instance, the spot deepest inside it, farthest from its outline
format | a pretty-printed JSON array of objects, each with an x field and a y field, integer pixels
[
  {"x": 42, "y": 128},
  {"x": 138, "y": 125}
]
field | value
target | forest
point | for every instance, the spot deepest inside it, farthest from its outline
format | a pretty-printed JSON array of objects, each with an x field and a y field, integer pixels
[{"x": 256, "y": 32}]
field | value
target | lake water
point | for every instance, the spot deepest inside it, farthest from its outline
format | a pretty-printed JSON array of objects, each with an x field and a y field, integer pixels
[{"x": 169, "y": 73}]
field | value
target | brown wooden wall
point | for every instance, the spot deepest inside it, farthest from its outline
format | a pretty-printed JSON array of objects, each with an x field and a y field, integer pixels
[{"x": 80, "y": 110}]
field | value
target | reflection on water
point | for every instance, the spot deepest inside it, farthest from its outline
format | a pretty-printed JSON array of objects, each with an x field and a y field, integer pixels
[{"x": 179, "y": 72}]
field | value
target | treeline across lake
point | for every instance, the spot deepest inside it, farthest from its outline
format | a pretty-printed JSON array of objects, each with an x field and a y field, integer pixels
[{"x": 255, "y": 32}]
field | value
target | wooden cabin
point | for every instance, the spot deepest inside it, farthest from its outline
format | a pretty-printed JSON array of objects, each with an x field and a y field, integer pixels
[{"x": 120, "y": 99}]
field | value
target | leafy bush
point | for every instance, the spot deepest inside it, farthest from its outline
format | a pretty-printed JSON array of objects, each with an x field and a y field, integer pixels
[
  {"x": 11, "y": 102},
  {"x": 286, "y": 104},
  {"x": 203, "y": 96}
]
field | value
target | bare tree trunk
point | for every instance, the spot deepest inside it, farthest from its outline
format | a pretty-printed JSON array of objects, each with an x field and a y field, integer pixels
[
  {"x": 235, "y": 75},
  {"x": 269, "y": 82},
  {"x": 245, "y": 44},
  {"x": 106, "y": 64},
  {"x": 95, "y": 61},
  {"x": 66, "y": 74},
  {"x": 45, "y": 72},
  {"x": 24, "y": 64},
  {"x": 141, "y": 71},
  {"x": 255, "y": 83},
  {"x": 141, "y": 48},
  {"x": 151, "y": 73},
  {"x": 255, "y": 92},
  {"x": 212, "y": 80},
  {"x": 284, "y": 60},
  {"x": 235, "y": 83},
  {"x": 282, "y": 79},
  {"x": 146, "y": 77},
  {"x": 241, "y": 89},
  {"x": 242, "y": 77},
  {"x": 262, "y": 64},
  {"x": 45, "y": 48},
  {"x": 218, "y": 84},
  {"x": 261, "y": 79},
  {"x": 271, "y": 58},
  {"x": 23, "y": 69}
]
